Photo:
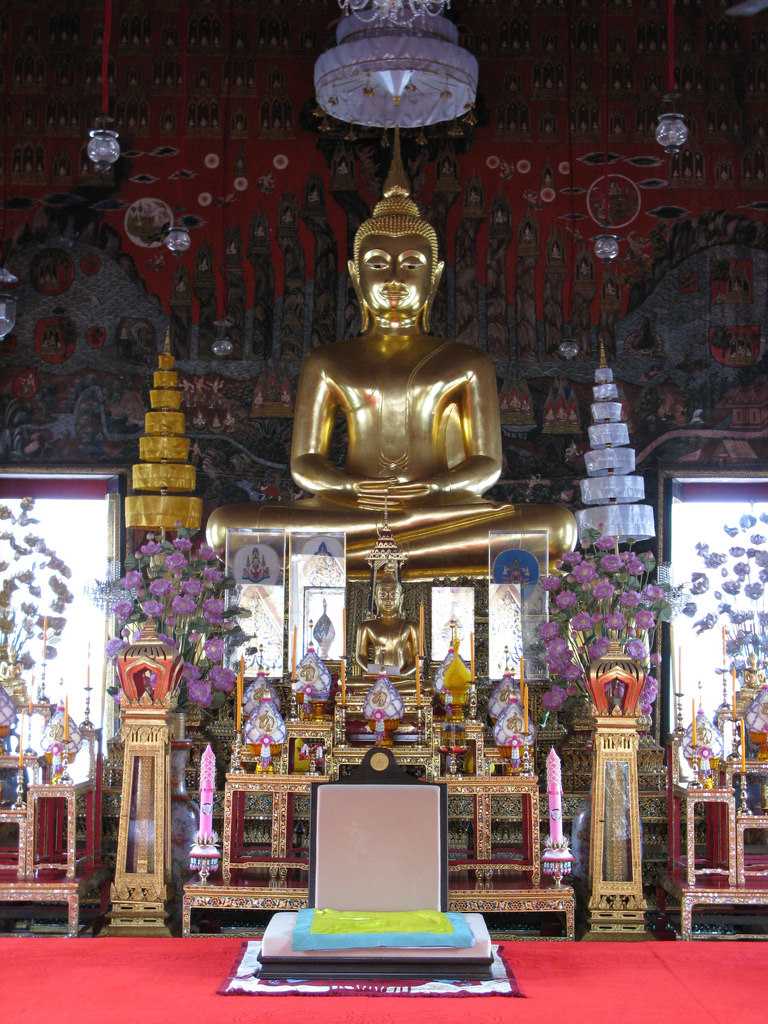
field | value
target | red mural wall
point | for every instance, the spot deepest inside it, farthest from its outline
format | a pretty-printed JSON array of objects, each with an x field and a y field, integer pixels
[{"x": 219, "y": 129}]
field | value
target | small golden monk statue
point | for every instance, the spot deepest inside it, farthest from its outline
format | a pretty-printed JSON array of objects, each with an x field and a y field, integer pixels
[
  {"x": 387, "y": 640},
  {"x": 422, "y": 418}
]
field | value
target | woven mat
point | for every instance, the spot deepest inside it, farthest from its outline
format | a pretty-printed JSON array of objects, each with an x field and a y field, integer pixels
[{"x": 246, "y": 980}]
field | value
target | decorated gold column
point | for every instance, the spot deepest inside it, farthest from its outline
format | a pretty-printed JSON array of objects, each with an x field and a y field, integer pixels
[
  {"x": 616, "y": 904},
  {"x": 164, "y": 475},
  {"x": 149, "y": 672}
]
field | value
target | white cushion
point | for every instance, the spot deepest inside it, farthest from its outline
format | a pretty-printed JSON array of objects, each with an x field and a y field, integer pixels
[{"x": 279, "y": 933}]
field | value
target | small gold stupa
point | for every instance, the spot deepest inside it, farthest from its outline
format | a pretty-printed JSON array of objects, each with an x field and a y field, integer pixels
[{"x": 164, "y": 473}]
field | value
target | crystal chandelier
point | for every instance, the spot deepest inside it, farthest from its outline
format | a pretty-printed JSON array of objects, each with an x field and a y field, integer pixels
[
  {"x": 396, "y": 73},
  {"x": 606, "y": 247},
  {"x": 568, "y": 347},
  {"x": 103, "y": 148},
  {"x": 177, "y": 239},
  {"x": 396, "y": 12},
  {"x": 222, "y": 343},
  {"x": 671, "y": 132}
]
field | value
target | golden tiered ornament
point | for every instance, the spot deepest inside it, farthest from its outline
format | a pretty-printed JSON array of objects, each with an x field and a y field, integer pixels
[{"x": 164, "y": 473}]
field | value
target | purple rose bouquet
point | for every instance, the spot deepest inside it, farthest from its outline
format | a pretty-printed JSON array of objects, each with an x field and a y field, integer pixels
[
  {"x": 178, "y": 586},
  {"x": 596, "y": 597},
  {"x": 732, "y": 589}
]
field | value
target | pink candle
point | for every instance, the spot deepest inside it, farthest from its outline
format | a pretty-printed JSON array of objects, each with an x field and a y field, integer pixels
[
  {"x": 207, "y": 787},
  {"x": 555, "y": 794}
]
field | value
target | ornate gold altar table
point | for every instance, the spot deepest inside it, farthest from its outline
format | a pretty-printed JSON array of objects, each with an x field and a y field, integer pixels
[
  {"x": 286, "y": 889},
  {"x": 51, "y": 831},
  {"x": 281, "y": 788},
  {"x": 274, "y": 877},
  {"x": 482, "y": 791},
  {"x": 54, "y": 887},
  {"x": 720, "y": 855}
]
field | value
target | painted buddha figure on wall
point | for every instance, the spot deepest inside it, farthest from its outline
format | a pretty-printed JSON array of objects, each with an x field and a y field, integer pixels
[{"x": 422, "y": 417}]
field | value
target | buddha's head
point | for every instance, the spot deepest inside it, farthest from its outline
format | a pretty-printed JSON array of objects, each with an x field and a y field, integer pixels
[
  {"x": 395, "y": 267},
  {"x": 387, "y": 595}
]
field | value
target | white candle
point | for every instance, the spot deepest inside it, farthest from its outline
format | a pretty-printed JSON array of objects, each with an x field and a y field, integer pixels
[
  {"x": 555, "y": 795},
  {"x": 207, "y": 788}
]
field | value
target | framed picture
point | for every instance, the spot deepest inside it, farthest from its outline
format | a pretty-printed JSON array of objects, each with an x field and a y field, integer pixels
[
  {"x": 256, "y": 556},
  {"x": 318, "y": 584},
  {"x": 517, "y": 603},
  {"x": 256, "y": 559},
  {"x": 453, "y": 608}
]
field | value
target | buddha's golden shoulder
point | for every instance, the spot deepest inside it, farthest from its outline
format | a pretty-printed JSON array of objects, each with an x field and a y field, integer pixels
[{"x": 466, "y": 355}]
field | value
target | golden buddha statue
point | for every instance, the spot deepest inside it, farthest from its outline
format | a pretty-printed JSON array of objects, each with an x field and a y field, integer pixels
[
  {"x": 387, "y": 640},
  {"x": 422, "y": 418}
]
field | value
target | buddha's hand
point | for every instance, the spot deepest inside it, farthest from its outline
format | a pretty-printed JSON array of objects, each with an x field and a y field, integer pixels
[{"x": 390, "y": 493}]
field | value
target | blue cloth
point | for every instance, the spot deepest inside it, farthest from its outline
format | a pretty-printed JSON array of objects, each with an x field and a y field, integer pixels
[{"x": 461, "y": 937}]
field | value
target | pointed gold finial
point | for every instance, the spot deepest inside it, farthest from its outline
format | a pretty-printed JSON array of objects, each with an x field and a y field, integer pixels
[
  {"x": 397, "y": 180},
  {"x": 396, "y": 214},
  {"x": 603, "y": 361},
  {"x": 167, "y": 350}
]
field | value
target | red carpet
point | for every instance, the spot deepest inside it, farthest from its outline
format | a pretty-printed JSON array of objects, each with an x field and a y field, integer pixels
[{"x": 165, "y": 981}]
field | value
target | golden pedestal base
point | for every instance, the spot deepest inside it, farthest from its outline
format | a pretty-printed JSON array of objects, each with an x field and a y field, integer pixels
[
  {"x": 616, "y": 922},
  {"x": 143, "y": 863},
  {"x": 616, "y": 905},
  {"x": 132, "y": 918}
]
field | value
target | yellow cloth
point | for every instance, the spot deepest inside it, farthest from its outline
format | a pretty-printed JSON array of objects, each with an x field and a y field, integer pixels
[{"x": 346, "y": 922}]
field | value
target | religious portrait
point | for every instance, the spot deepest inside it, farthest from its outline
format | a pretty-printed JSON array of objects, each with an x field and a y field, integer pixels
[
  {"x": 51, "y": 271},
  {"x": 256, "y": 557},
  {"x": 55, "y": 339}
]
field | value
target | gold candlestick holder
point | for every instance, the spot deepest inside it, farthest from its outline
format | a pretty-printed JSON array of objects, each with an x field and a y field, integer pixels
[
  {"x": 696, "y": 768},
  {"x": 86, "y": 722},
  {"x": 20, "y": 802},
  {"x": 41, "y": 695},
  {"x": 29, "y": 750},
  {"x": 235, "y": 762},
  {"x": 679, "y": 713},
  {"x": 735, "y": 742},
  {"x": 743, "y": 804},
  {"x": 527, "y": 760}
]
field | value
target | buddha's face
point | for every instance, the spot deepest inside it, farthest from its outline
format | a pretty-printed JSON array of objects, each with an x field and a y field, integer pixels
[
  {"x": 395, "y": 277},
  {"x": 386, "y": 595}
]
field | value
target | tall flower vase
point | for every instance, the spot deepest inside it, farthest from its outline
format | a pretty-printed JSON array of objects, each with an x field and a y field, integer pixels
[
  {"x": 184, "y": 810},
  {"x": 616, "y": 904}
]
